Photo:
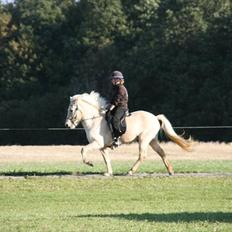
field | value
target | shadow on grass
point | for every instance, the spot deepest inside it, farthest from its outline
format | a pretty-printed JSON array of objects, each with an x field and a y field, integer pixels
[
  {"x": 34, "y": 173},
  {"x": 51, "y": 173},
  {"x": 169, "y": 217},
  {"x": 19, "y": 173}
]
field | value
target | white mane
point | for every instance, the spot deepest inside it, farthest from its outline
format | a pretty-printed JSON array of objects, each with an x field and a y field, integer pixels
[{"x": 93, "y": 98}]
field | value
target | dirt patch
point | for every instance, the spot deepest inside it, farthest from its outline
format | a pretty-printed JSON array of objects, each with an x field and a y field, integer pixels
[{"x": 201, "y": 151}]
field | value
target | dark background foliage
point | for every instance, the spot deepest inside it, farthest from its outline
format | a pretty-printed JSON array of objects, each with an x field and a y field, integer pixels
[{"x": 176, "y": 57}]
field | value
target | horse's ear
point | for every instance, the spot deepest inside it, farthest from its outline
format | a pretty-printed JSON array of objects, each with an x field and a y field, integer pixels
[{"x": 70, "y": 98}]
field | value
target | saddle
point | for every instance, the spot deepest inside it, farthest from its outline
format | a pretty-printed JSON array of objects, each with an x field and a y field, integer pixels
[{"x": 120, "y": 129}]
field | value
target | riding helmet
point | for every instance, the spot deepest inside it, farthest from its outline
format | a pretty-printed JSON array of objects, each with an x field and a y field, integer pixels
[{"x": 117, "y": 75}]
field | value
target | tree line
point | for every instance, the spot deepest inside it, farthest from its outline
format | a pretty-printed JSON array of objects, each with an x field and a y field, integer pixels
[{"x": 176, "y": 57}]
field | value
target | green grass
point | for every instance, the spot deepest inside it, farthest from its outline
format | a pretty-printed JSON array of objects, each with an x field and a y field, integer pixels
[
  {"x": 119, "y": 167},
  {"x": 45, "y": 203},
  {"x": 116, "y": 204}
]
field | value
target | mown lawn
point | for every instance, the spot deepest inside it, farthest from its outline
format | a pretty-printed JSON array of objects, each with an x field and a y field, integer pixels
[
  {"x": 119, "y": 167},
  {"x": 45, "y": 203}
]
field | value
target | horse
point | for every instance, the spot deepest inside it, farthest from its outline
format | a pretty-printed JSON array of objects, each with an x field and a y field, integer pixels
[{"x": 142, "y": 127}]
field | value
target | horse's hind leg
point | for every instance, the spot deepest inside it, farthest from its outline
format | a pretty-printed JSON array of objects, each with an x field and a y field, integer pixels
[
  {"x": 142, "y": 155},
  {"x": 156, "y": 147}
]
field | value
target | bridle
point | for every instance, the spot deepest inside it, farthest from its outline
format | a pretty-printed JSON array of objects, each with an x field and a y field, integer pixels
[{"x": 91, "y": 118}]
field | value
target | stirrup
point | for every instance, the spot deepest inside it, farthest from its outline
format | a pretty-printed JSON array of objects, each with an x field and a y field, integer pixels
[{"x": 115, "y": 143}]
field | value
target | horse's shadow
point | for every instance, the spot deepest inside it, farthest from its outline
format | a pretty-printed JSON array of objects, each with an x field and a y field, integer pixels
[
  {"x": 34, "y": 173},
  {"x": 212, "y": 217},
  {"x": 54, "y": 173}
]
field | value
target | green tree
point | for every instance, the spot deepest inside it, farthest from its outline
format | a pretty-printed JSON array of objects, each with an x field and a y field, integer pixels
[
  {"x": 175, "y": 55},
  {"x": 99, "y": 25}
]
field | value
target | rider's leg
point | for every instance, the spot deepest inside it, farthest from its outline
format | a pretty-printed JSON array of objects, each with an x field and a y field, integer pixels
[{"x": 119, "y": 113}]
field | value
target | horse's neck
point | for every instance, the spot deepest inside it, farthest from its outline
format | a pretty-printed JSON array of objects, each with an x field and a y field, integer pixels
[
  {"x": 91, "y": 114},
  {"x": 87, "y": 125},
  {"x": 92, "y": 122}
]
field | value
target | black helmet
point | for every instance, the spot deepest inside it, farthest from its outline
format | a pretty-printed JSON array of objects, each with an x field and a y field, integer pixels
[{"x": 117, "y": 75}]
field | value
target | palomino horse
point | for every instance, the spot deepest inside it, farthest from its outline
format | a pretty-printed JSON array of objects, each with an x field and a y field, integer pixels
[{"x": 142, "y": 126}]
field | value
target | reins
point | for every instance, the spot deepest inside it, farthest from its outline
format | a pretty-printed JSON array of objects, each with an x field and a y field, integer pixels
[
  {"x": 85, "y": 119},
  {"x": 99, "y": 116}
]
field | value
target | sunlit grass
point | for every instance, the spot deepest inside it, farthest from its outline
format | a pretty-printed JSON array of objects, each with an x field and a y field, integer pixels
[
  {"x": 119, "y": 167},
  {"x": 116, "y": 204}
]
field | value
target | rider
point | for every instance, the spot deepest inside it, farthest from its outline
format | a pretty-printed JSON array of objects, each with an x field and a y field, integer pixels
[{"x": 118, "y": 105}]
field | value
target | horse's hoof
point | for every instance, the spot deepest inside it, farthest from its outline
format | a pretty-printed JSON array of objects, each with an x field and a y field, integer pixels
[
  {"x": 170, "y": 170},
  {"x": 130, "y": 173},
  {"x": 108, "y": 174}
]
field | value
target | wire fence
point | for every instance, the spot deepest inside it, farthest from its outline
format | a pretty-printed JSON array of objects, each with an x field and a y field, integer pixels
[
  {"x": 66, "y": 129},
  {"x": 38, "y": 129},
  {"x": 65, "y": 136}
]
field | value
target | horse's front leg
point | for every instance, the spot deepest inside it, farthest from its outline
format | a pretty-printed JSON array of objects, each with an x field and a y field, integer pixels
[
  {"x": 106, "y": 158},
  {"x": 85, "y": 149}
]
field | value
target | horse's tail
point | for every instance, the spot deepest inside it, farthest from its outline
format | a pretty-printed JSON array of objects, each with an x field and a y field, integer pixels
[{"x": 169, "y": 131}]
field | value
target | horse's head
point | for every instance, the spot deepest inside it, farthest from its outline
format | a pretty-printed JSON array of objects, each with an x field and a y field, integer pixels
[
  {"x": 84, "y": 107},
  {"x": 74, "y": 114}
]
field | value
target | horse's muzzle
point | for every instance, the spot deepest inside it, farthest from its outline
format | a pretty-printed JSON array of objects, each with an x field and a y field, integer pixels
[{"x": 69, "y": 124}]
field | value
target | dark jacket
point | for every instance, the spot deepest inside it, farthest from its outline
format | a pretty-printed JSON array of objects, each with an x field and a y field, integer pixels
[{"x": 120, "y": 96}]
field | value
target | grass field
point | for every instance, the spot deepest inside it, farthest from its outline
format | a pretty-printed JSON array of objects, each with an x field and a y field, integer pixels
[
  {"x": 119, "y": 167},
  {"x": 116, "y": 204},
  {"x": 60, "y": 195}
]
